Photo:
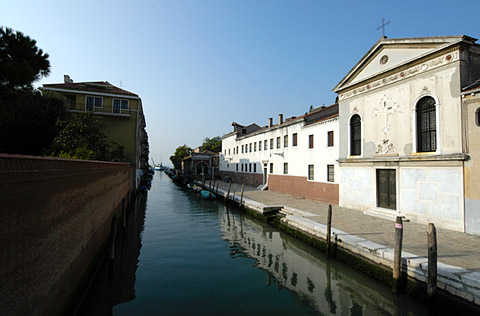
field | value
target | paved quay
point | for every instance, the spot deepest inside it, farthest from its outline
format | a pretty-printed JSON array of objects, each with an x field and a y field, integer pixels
[{"x": 373, "y": 238}]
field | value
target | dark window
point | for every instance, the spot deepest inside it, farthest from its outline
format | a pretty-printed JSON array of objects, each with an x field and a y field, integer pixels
[
  {"x": 229, "y": 151},
  {"x": 125, "y": 104},
  {"x": 271, "y": 167},
  {"x": 265, "y": 144},
  {"x": 477, "y": 117},
  {"x": 236, "y": 166},
  {"x": 242, "y": 167},
  {"x": 71, "y": 101},
  {"x": 355, "y": 135},
  {"x": 278, "y": 142},
  {"x": 386, "y": 188},
  {"x": 271, "y": 143},
  {"x": 255, "y": 146},
  {"x": 244, "y": 130},
  {"x": 254, "y": 167},
  {"x": 249, "y": 167},
  {"x": 285, "y": 168},
  {"x": 242, "y": 149},
  {"x": 330, "y": 139},
  {"x": 260, "y": 146},
  {"x": 285, "y": 141},
  {"x": 426, "y": 125},
  {"x": 116, "y": 106},
  {"x": 310, "y": 141},
  {"x": 310, "y": 172},
  {"x": 92, "y": 102},
  {"x": 250, "y": 147},
  {"x": 237, "y": 150},
  {"x": 330, "y": 173},
  {"x": 294, "y": 139}
]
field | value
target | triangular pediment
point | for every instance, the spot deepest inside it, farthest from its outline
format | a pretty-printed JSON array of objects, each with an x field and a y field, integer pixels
[{"x": 388, "y": 54}]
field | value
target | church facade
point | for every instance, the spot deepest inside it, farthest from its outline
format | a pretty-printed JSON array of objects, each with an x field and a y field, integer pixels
[{"x": 402, "y": 130}]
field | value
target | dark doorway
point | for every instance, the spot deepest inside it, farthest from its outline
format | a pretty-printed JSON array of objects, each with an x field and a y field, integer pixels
[{"x": 386, "y": 188}]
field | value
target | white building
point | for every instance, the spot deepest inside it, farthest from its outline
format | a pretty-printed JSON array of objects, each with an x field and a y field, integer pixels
[
  {"x": 296, "y": 156},
  {"x": 402, "y": 149}
]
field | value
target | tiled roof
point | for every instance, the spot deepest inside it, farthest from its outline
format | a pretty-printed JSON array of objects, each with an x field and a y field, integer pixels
[
  {"x": 97, "y": 86},
  {"x": 322, "y": 114}
]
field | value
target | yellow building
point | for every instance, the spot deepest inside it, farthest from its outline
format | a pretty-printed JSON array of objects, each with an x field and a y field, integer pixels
[{"x": 121, "y": 112}]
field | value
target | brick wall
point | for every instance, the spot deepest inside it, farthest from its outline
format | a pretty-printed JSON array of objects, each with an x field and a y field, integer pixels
[
  {"x": 300, "y": 186},
  {"x": 250, "y": 179},
  {"x": 56, "y": 217}
]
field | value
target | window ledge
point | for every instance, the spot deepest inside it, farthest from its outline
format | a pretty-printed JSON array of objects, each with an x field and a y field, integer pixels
[
  {"x": 101, "y": 113},
  {"x": 430, "y": 157}
]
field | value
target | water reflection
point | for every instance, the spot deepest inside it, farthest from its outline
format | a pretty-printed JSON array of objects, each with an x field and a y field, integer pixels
[
  {"x": 115, "y": 280},
  {"x": 325, "y": 285}
]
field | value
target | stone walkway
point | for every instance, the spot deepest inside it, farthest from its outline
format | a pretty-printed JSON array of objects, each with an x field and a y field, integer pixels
[{"x": 454, "y": 248}]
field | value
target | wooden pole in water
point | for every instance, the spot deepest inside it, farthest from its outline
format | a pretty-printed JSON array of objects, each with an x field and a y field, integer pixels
[
  {"x": 241, "y": 196},
  {"x": 228, "y": 192},
  {"x": 432, "y": 261},
  {"x": 397, "y": 257},
  {"x": 329, "y": 229}
]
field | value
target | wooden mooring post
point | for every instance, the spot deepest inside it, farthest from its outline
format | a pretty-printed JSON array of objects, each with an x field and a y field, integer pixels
[
  {"x": 228, "y": 192},
  {"x": 241, "y": 196},
  {"x": 216, "y": 191},
  {"x": 329, "y": 230},
  {"x": 432, "y": 261},
  {"x": 397, "y": 256}
]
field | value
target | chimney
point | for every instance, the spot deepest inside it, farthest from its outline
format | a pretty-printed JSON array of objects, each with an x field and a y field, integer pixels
[
  {"x": 66, "y": 79},
  {"x": 270, "y": 122},
  {"x": 280, "y": 119}
]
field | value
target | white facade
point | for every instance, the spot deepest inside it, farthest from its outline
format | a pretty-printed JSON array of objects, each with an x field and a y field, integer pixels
[
  {"x": 422, "y": 176},
  {"x": 272, "y": 151}
]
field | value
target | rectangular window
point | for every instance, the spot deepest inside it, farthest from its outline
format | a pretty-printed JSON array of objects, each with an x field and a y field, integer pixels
[
  {"x": 265, "y": 144},
  {"x": 330, "y": 139},
  {"x": 330, "y": 173},
  {"x": 242, "y": 149},
  {"x": 271, "y": 143},
  {"x": 92, "y": 102},
  {"x": 285, "y": 168},
  {"x": 124, "y": 104},
  {"x": 116, "y": 106},
  {"x": 310, "y": 172},
  {"x": 237, "y": 150},
  {"x": 294, "y": 139},
  {"x": 242, "y": 167},
  {"x": 255, "y": 146},
  {"x": 260, "y": 146},
  {"x": 250, "y": 147},
  {"x": 254, "y": 167},
  {"x": 278, "y": 142},
  {"x": 310, "y": 141},
  {"x": 249, "y": 167},
  {"x": 236, "y": 167},
  {"x": 229, "y": 151},
  {"x": 271, "y": 167},
  {"x": 285, "y": 141}
]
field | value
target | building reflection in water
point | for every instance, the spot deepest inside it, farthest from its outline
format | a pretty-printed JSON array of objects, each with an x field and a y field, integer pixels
[
  {"x": 115, "y": 280},
  {"x": 323, "y": 285}
]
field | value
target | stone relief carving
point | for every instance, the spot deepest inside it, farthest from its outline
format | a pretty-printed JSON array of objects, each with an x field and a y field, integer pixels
[{"x": 385, "y": 148}]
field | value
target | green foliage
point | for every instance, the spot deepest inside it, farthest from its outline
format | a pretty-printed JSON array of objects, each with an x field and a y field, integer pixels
[
  {"x": 212, "y": 144},
  {"x": 82, "y": 153},
  {"x": 180, "y": 153},
  {"x": 21, "y": 61},
  {"x": 83, "y": 136},
  {"x": 28, "y": 121}
]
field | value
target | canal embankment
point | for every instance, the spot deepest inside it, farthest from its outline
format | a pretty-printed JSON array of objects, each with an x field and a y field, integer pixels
[
  {"x": 58, "y": 216},
  {"x": 367, "y": 242}
]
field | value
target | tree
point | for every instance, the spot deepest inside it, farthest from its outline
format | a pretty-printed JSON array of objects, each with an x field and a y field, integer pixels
[
  {"x": 213, "y": 144},
  {"x": 180, "y": 153},
  {"x": 21, "y": 61},
  {"x": 27, "y": 119},
  {"x": 83, "y": 137}
]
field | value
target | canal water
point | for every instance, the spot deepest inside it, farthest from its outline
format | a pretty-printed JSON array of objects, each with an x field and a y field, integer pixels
[{"x": 179, "y": 254}]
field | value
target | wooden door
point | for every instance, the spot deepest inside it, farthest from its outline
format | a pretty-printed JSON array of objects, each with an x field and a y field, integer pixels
[{"x": 386, "y": 188}]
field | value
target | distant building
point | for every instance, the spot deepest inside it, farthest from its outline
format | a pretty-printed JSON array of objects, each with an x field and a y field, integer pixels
[
  {"x": 296, "y": 156},
  {"x": 121, "y": 112},
  {"x": 402, "y": 131},
  {"x": 201, "y": 165}
]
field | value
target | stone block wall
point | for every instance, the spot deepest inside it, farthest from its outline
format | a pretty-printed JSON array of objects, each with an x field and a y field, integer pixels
[{"x": 56, "y": 217}]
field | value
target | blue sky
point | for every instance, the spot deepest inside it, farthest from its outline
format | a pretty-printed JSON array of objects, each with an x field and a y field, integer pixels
[{"x": 200, "y": 65}]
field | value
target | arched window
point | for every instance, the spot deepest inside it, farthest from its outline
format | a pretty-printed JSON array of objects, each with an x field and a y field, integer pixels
[
  {"x": 426, "y": 125},
  {"x": 355, "y": 135}
]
